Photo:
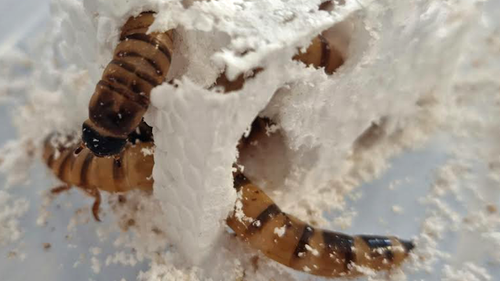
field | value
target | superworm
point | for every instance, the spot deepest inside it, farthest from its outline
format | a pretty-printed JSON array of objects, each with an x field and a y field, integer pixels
[
  {"x": 298, "y": 245},
  {"x": 77, "y": 166},
  {"x": 257, "y": 220},
  {"x": 140, "y": 62}
]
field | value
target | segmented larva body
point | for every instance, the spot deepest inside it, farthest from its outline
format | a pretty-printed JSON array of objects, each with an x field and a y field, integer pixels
[
  {"x": 294, "y": 243},
  {"x": 77, "y": 166},
  {"x": 259, "y": 221},
  {"x": 140, "y": 62}
]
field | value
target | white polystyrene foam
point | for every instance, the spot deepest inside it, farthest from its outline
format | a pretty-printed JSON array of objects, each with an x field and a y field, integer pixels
[{"x": 196, "y": 133}]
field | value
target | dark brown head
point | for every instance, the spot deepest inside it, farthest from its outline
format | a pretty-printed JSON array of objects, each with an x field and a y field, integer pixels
[
  {"x": 143, "y": 133},
  {"x": 99, "y": 144}
]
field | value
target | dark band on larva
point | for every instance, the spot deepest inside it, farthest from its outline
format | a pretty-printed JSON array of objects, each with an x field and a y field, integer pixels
[
  {"x": 239, "y": 180},
  {"x": 342, "y": 243},
  {"x": 118, "y": 171},
  {"x": 85, "y": 169},
  {"x": 50, "y": 159},
  {"x": 376, "y": 242},
  {"x": 270, "y": 212},
  {"x": 141, "y": 100},
  {"x": 123, "y": 37},
  {"x": 64, "y": 163},
  {"x": 152, "y": 41},
  {"x": 325, "y": 51},
  {"x": 75, "y": 155},
  {"x": 124, "y": 54},
  {"x": 121, "y": 81},
  {"x": 132, "y": 69},
  {"x": 300, "y": 249}
]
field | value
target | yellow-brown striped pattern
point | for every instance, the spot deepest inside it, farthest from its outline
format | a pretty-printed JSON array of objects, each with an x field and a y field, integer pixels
[
  {"x": 77, "y": 166},
  {"x": 300, "y": 246},
  {"x": 293, "y": 243},
  {"x": 140, "y": 63}
]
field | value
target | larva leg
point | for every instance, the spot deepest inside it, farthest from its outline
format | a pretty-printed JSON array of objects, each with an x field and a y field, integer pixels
[
  {"x": 291, "y": 242},
  {"x": 59, "y": 189},
  {"x": 96, "y": 205},
  {"x": 94, "y": 192}
]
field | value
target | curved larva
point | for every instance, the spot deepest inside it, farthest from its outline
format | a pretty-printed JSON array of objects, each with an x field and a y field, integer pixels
[
  {"x": 140, "y": 62},
  {"x": 294, "y": 243},
  {"x": 259, "y": 221},
  {"x": 77, "y": 166}
]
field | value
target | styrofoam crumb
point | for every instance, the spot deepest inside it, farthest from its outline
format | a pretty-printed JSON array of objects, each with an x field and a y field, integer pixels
[
  {"x": 121, "y": 258},
  {"x": 493, "y": 241},
  {"x": 467, "y": 271},
  {"x": 95, "y": 264},
  {"x": 95, "y": 251},
  {"x": 147, "y": 151},
  {"x": 280, "y": 231},
  {"x": 397, "y": 209},
  {"x": 11, "y": 211}
]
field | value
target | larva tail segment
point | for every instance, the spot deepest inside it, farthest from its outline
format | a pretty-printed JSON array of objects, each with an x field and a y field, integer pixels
[
  {"x": 291, "y": 242},
  {"x": 140, "y": 62}
]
